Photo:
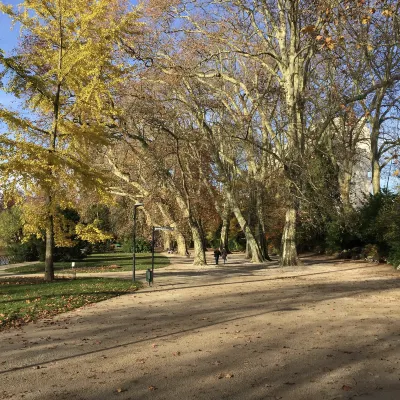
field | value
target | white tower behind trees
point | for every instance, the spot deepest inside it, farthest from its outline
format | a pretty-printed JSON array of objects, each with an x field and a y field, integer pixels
[{"x": 348, "y": 145}]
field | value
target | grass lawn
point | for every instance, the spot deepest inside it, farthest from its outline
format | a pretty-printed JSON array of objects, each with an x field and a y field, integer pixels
[
  {"x": 28, "y": 299},
  {"x": 106, "y": 262}
]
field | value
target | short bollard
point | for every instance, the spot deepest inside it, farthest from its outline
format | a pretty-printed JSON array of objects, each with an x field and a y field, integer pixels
[{"x": 149, "y": 276}]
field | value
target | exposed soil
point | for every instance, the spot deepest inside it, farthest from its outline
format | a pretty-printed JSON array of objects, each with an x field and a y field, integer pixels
[{"x": 325, "y": 330}]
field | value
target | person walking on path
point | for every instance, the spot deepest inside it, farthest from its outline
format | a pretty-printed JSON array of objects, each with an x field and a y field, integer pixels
[
  {"x": 217, "y": 253},
  {"x": 224, "y": 254}
]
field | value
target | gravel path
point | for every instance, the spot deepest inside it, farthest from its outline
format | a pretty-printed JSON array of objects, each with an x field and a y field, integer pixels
[{"x": 326, "y": 330}]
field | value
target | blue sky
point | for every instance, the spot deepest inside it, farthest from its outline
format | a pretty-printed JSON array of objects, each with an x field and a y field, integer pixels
[
  {"x": 8, "y": 40},
  {"x": 8, "y": 36}
]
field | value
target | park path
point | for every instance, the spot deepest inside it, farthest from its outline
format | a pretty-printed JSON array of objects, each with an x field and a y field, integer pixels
[
  {"x": 326, "y": 330},
  {"x": 3, "y": 267}
]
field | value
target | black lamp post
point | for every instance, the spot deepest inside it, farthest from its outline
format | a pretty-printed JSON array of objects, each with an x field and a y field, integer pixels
[{"x": 134, "y": 240}]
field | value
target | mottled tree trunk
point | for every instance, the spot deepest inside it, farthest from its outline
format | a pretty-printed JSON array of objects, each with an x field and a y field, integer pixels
[
  {"x": 203, "y": 235},
  {"x": 261, "y": 227},
  {"x": 344, "y": 187},
  {"x": 199, "y": 253},
  {"x": 256, "y": 255},
  {"x": 247, "y": 252},
  {"x": 376, "y": 176},
  {"x": 181, "y": 243},
  {"x": 289, "y": 252},
  {"x": 166, "y": 240},
  {"x": 263, "y": 242},
  {"x": 226, "y": 217},
  {"x": 375, "y": 135}
]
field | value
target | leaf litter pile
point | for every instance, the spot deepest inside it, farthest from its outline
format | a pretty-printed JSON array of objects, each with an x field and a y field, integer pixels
[{"x": 29, "y": 299}]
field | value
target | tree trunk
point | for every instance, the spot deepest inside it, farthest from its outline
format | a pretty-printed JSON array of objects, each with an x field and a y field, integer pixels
[
  {"x": 166, "y": 240},
  {"x": 375, "y": 136},
  {"x": 203, "y": 235},
  {"x": 181, "y": 242},
  {"x": 247, "y": 252},
  {"x": 226, "y": 217},
  {"x": 289, "y": 252},
  {"x": 344, "y": 187},
  {"x": 261, "y": 227},
  {"x": 49, "y": 256},
  {"x": 256, "y": 255},
  {"x": 263, "y": 242},
  {"x": 376, "y": 177},
  {"x": 199, "y": 254},
  {"x": 49, "y": 262}
]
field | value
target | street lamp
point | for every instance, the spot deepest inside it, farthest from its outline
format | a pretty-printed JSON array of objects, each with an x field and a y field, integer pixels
[{"x": 134, "y": 240}]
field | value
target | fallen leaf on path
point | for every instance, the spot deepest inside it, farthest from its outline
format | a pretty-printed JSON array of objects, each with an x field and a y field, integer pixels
[
  {"x": 346, "y": 388},
  {"x": 228, "y": 376}
]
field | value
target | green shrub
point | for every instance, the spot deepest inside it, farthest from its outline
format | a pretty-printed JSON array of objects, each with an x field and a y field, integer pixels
[
  {"x": 236, "y": 244},
  {"x": 371, "y": 252},
  {"x": 394, "y": 257},
  {"x": 142, "y": 245},
  {"x": 102, "y": 247},
  {"x": 333, "y": 238},
  {"x": 20, "y": 252}
]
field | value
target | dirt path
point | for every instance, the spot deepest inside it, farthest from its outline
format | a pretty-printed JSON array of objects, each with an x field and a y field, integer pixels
[{"x": 322, "y": 331}]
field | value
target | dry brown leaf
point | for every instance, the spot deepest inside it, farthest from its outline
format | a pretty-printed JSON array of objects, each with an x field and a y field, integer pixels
[{"x": 308, "y": 29}]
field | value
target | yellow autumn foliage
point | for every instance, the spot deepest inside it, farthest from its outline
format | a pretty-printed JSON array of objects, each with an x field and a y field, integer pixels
[
  {"x": 91, "y": 232},
  {"x": 72, "y": 45}
]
